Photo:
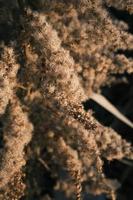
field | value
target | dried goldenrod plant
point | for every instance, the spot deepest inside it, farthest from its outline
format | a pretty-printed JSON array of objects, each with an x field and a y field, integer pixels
[{"x": 66, "y": 51}]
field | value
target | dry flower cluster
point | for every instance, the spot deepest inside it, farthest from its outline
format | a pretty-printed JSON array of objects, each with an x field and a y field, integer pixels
[{"x": 64, "y": 54}]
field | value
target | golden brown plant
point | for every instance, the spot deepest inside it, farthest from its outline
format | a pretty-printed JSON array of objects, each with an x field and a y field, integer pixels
[{"x": 67, "y": 51}]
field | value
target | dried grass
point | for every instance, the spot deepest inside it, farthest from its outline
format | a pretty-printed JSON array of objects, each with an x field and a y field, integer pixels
[{"x": 68, "y": 52}]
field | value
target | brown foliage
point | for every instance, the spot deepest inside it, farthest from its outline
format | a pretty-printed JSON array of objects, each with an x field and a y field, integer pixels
[{"x": 68, "y": 52}]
